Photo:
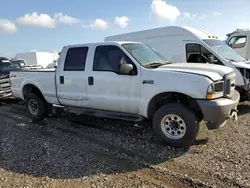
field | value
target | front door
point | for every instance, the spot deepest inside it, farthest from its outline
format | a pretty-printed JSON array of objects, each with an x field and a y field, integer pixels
[{"x": 107, "y": 88}]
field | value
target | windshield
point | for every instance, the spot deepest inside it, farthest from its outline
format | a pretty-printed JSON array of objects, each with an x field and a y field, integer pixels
[
  {"x": 224, "y": 50},
  {"x": 143, "y": 53}
]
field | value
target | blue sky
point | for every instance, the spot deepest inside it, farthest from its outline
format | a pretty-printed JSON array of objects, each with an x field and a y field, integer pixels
[{"x": 48, "y": 25}]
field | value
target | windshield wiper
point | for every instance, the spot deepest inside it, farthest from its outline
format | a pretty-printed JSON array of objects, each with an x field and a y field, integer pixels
[{"x": 156, "y": 64}]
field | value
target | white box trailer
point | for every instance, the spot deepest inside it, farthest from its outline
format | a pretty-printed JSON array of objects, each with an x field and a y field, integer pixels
[
  {"x": 38, "y": 58},
  {"x": 188, "y": 44}
]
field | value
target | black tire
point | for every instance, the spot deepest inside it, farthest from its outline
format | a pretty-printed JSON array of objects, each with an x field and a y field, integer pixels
[
  {"x": 190, "y": 121},
  {"x": 42, "y": 106}
]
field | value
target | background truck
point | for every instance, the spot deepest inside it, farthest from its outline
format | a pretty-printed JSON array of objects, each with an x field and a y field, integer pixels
[
  {"x": 192, "y": 45},
  {"x": 5, "y": 67},
  {"x": 131, "y": 81},
  {"x": 239, "y": 40}
]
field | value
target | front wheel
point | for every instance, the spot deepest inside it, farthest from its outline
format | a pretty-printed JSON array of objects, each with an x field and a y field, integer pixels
[
  {"x": 37, "y": 106},
  {"x": 175, "y": 125}
]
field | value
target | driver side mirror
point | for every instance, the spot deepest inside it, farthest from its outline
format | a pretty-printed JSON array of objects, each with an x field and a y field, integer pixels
[{"x": 125, "y": 68}]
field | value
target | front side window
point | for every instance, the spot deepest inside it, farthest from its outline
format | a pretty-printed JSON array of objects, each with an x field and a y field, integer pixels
[
  {"x": 237, "y": 41},
  {"x": 196, "y": 53},
  {"x": 76, "y": 59},
  {"x": 109, "y": 58}
]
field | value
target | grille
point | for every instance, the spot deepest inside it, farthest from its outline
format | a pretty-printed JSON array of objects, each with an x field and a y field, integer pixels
[
  {"x": 229, "y": 81},
  {"x": 4, "y": 84}
]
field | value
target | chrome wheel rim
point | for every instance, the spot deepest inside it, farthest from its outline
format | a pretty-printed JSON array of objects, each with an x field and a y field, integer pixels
[
  {"x": 33, "y": 106},
  {"x": 173, "y": 126}
]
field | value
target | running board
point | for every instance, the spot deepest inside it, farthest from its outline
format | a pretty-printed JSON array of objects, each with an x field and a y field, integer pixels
[{"x": 105, "y": 114}]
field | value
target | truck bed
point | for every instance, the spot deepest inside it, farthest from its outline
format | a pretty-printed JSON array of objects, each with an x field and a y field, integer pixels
[{"x": 44, "y": 79}]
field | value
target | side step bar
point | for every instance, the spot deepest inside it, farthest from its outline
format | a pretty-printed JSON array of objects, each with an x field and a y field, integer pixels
[{"x": 105, "y": 114}]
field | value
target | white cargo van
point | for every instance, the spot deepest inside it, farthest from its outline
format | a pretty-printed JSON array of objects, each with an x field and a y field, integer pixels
[
  {"x": 239, "y": 41},
  {"x": 188, "y": 44}
]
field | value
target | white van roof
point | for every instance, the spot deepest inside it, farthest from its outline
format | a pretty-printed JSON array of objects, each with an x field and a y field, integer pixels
[{"x": 162, "y": 31}]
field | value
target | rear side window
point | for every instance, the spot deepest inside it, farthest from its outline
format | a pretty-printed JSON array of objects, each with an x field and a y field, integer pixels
[
  {"x": 237, "y": 41},
  {"x": 76, "y": 59}
]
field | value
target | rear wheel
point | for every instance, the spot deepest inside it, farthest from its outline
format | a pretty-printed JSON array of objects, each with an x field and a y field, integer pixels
[
  {"x": 37, "y": 106},
  {"x": 175, "y": 125}
]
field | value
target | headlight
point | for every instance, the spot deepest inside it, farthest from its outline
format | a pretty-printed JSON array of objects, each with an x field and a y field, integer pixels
[{"x": 215, "y": 90}]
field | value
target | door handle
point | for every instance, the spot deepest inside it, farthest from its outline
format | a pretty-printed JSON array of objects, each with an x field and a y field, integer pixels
[
  {"x": 91, "y": 80},
  {"x": 61, "y": 79}
]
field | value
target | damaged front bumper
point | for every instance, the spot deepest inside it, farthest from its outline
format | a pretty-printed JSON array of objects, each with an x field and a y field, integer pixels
[{"x": 216, "y": 112}]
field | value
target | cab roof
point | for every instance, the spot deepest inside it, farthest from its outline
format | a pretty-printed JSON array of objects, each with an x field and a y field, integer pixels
[{"x": 104, "y": 43}]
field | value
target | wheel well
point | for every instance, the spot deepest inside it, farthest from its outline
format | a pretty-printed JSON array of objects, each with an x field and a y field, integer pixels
[
  {"x": 163, "y": 98},
  {"x": 29, "y": 88}
]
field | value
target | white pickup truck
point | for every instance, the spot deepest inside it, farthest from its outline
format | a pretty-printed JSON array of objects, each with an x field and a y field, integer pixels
[{"x": 131, "y": 81}]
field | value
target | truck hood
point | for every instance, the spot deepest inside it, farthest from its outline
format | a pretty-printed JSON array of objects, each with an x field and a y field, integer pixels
[{"x": 214, "y": 72}]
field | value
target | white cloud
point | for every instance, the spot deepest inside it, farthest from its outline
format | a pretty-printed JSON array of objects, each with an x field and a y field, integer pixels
[
  {"x": 217, "y": 14},
  {"x": 97, "y": 23},
  {"x": 160, "y": 9},
  {"x": 122, "y": 21},
  {"x": 35, "y": 19},
  {"x": 63, "y": 18},
  {"x": 189, "y": 16},
  {"x": 7, "y": 26}
]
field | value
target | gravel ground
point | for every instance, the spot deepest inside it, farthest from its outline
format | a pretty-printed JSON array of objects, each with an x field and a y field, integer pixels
[{"x": 71, "y": 151}]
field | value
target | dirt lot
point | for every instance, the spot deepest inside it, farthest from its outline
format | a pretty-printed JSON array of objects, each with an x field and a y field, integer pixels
[{"x": 70, "y": 151}]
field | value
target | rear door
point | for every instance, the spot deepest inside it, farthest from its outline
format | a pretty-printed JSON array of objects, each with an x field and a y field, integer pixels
[{"x": 72, "y": 78}]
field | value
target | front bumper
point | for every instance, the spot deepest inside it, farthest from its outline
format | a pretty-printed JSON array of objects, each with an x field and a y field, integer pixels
[{"x": 217, "y": 111}]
